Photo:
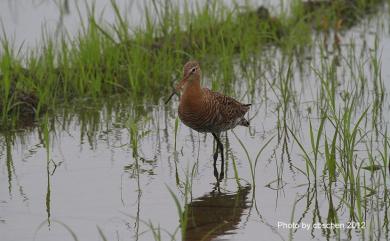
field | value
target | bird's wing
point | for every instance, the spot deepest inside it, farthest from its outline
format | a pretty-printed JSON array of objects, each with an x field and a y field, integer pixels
[{"x": 227, "y": 107}]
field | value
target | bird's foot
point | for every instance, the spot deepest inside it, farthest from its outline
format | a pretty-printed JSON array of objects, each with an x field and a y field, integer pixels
[{"x": 216, "y": 188}]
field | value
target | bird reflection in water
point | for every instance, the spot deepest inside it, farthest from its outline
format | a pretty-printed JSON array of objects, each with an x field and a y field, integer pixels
[{"x": 216, "y": 214}]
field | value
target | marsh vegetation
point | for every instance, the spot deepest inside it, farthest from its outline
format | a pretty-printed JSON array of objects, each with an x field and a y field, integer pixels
[{"x": 89, "y": 151}]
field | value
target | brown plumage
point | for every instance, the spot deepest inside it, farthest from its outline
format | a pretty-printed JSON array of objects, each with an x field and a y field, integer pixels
[
  {"x": 211, "y": 111},
  {"x": 207, "y": 111}
]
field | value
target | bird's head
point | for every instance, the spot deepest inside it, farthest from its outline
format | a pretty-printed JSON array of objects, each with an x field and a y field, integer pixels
[{"x": 191, "y": 72}]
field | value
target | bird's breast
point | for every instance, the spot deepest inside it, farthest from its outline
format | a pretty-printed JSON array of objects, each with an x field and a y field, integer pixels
[
  {"x": 194, "y": 113},
  {"x": 189, "y": 115}
]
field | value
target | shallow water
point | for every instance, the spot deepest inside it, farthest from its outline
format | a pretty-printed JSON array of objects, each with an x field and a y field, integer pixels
[{"x": 111, "y": 165}]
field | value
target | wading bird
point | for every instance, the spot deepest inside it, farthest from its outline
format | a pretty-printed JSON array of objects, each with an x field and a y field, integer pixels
[{"x": 204, "y": 110}]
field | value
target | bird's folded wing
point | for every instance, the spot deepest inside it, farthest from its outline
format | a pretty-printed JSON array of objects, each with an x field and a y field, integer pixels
[{"x": 227, "y": 107}]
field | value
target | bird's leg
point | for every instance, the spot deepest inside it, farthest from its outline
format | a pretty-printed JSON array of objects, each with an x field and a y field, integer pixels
[
  {"x": 216, "y": 156},
  {"x": 222, "y": 173},
  {"x": 220, "y": 146},
  {"x": 215, "y": 163}
]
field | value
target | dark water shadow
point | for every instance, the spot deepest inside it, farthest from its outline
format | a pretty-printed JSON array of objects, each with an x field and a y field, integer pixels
[{"x": 216, "y": 214}]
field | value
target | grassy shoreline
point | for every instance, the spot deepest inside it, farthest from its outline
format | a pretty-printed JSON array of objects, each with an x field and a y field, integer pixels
[{"x": 103, "y": 61}]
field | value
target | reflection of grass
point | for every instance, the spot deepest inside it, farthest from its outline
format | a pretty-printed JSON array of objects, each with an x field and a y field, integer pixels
[
  {"x": 253, "y": 165},
  {"x": 66, "y": 227},
  {"x": 176, "y": 129},
  {"x": 182, "y": 210},
  {"x": 46, "y": 141}
]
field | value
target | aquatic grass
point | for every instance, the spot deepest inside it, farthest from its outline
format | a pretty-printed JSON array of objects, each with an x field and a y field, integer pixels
[
  {"x": 328, "y": 77},
  {"x": 6, "y": 63},
  {"x": 46, "y": 141},
  {"x": 182, "y": 212},
  {"x": 134, "y": 138},
  {"x": 9, "y": 142},
  {"x": 315, "y": 142},
  {"x": 311, "y": 163},
  {"x": 291, "y": 230},
  {"x": 253, "y": 165},
  {"x": 349, "y": 138},
  {"x": 384, "y": 154},
  {"x": 354, "y": 159},
  {"x": 379, "y": 86},
  {"x": 182, "y": 209},
  {"x": 156, "y": 230},
  {"x": 330, "y": 156},
  {"x": 236, "y": 176},
  {"x": 65, "y": 226},
  {"x": 176, "y": 130}
]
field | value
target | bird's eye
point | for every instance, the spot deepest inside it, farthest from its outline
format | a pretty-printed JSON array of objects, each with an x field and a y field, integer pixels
[{"x": 193, "y": 70}]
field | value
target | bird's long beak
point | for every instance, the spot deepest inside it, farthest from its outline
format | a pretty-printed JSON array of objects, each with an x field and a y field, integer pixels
[
  {"x": 170, "y": 97},
  {"x": 178, "y": 88}
]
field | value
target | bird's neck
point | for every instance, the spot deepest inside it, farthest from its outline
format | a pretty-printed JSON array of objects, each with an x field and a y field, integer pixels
[
  {"x": 192, "y": 87},
  {"x": 192, "y": 92}
]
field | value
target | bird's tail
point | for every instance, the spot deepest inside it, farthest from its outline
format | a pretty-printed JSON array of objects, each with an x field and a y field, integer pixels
[
  {"x": 246, "y": 107},
  {"x": 244, "y": 122}
]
